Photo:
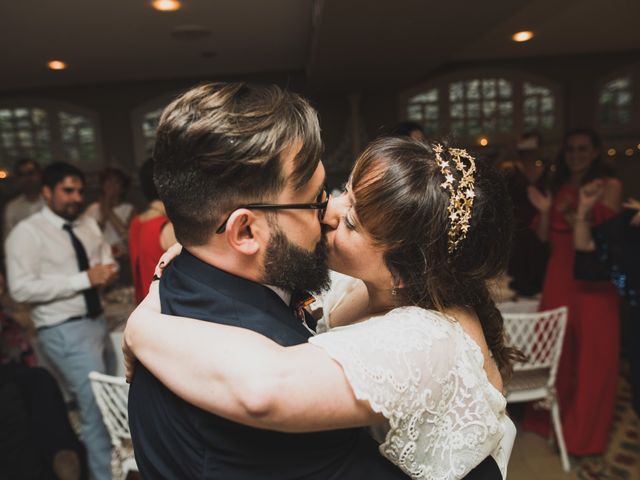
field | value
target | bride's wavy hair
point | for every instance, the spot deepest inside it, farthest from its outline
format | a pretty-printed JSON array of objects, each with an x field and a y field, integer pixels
[{"x": 399, "y": 201}]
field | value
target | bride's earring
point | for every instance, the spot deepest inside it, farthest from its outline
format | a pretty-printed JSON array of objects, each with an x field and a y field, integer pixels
[{"x": 394, "y": 288}]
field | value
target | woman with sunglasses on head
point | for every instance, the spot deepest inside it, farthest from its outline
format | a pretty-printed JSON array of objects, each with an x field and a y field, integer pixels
[{"x": 422, "y": 228}]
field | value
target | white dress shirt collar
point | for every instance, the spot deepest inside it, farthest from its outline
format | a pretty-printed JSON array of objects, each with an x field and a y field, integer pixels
[
  {"x": 285, "y": 295},
  {"x": 55, "y": 219}
]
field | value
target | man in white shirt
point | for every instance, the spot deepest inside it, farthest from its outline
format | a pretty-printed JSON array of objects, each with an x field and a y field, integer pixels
[
  {"x": 56, "y": 260},
  {"x": 29, "y": 201}
]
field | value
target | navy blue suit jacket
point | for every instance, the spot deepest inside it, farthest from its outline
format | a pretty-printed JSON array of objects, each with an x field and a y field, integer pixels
[{"x": 175, "y": 440}]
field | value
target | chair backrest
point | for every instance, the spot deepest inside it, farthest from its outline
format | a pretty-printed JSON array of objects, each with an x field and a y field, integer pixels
[
  {"x": 539, "y": 336},
  {"x": 112, "y": 394}
]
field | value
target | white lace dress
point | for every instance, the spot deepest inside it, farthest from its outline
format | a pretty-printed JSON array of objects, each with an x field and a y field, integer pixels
[{"x": 421, "y": 371}]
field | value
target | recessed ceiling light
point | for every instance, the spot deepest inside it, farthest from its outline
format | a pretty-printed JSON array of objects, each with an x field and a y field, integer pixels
[
  {"x": 628, "y": 152},
  {"x": 166, "y": 5},
  {"x": 484, "y": 141},
  {"x": 611, "y": 152},
  {"x": 56, "y": 65},
  {"x": 523, "y": 36}
]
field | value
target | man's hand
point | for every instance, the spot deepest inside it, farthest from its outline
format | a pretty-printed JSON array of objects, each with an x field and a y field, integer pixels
[{"x": 102, "y": 274}]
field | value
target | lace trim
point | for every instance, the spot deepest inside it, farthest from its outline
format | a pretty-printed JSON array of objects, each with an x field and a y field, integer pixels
[{"x": 443, "y": 416}]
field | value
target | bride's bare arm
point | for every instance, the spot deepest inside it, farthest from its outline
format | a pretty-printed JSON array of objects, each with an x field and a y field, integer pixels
[{"x": 244, "y": 376}]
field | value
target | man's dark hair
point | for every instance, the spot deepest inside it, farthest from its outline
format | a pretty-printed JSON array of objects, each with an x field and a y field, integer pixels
[
  {"x": 56, "y": 172},
  {"x": 147, "y": 186},
  {"x": 220, "y": 145},
  {"x": 21, "y": 162}
]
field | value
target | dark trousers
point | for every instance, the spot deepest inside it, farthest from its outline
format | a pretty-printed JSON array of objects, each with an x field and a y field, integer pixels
[{"x": 34, "y": 424}]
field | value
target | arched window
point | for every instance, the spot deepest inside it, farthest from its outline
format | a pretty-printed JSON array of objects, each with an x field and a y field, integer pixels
[
  {"x": 78, "y": 137},
  {"x": 615, "y": 103},
  {"x": 479, "y": 106},
  {"x": 424, "y": 109},
  {"x": 539, "y": 107},
  {"x": 475, "y": 105},
  {"x": 48, "y": 131},
  {"x": 149, "y": 125},
  {"x": 145, "y": 121}
]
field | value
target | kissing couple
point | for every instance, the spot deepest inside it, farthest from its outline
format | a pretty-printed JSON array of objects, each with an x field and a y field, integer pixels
[{"x": 229, "y": 379}]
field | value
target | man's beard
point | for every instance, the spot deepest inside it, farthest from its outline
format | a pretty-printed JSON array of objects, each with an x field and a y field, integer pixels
[
  {"x": 69, "y": 211},
  {"x": 293, "y": 268}
]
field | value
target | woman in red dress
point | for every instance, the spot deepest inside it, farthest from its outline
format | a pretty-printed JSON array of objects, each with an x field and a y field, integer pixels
[
  {"x": 150, "y": 234},
  {"x": 588, "y": 372}
]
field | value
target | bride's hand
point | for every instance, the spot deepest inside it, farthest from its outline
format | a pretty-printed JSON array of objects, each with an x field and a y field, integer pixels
[{"x": 172, "y": 252}]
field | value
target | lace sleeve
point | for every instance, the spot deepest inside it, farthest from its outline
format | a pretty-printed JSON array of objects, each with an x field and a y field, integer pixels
[{"x": 417, "y": 369}]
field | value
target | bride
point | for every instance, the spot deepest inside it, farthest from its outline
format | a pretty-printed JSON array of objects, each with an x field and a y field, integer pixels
[{"x": 416, "y": 344}]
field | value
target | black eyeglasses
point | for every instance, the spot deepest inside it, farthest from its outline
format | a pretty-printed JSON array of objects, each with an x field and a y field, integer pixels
[{"x": 320, "y": 205}]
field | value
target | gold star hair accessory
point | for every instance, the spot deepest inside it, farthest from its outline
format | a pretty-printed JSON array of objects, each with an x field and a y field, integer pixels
[{"x": 462, "y": 191}]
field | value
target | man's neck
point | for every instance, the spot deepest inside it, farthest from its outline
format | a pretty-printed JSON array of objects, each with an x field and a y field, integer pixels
[{"x": 227, "y": 261}]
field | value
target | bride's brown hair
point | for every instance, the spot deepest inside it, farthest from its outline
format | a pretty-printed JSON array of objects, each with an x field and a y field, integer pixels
[{"x": 401, "y": 204}]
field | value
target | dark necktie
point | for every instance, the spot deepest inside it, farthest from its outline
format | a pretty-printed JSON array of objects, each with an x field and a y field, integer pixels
[
  {"x": 299, "y": 303},
  {"x": 91, "y": 298}
]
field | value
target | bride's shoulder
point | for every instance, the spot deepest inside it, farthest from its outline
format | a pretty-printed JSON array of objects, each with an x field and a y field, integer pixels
[{"x": 418, "y": 316}]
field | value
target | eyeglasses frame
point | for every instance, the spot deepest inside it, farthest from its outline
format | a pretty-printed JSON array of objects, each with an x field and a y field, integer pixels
[{"x": 322, "y": 206}]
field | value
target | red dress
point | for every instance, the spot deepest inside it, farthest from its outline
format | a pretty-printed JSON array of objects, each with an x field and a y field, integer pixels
[
  {"x": 588, "y": 372},
  {"x": 145, "y": 252}
]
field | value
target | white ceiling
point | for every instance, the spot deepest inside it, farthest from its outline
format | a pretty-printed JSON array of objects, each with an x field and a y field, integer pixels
[{"x": 345, "y": 43}]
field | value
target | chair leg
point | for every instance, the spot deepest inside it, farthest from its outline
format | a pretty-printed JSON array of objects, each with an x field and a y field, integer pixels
[{"x": 557, "y": 427}]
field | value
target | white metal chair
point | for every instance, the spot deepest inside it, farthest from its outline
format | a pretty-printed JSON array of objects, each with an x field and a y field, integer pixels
[
  {"x": 539, "y": 336},
  {"x": 112, "y": 395}
]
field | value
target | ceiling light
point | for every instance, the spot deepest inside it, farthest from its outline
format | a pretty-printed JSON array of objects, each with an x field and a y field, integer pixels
[
  {"x": 523, "y": 36},
  {"x": 628, "y": 152},
  {"x": 611, "y": 152},
  {"x": 3, "y": 174},
  {"x": 56, "y": 65},
  {"x": 166, "y": 5},
  {"x": 484, "y": 141}
]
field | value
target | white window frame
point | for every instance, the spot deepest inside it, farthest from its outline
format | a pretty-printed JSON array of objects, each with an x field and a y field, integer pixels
[
  {"x": 137, "y": 116},
  {"x": 517, "y": 79},
  {"x": 621, "y": 131},
  {"x": 53, "y": 108}
]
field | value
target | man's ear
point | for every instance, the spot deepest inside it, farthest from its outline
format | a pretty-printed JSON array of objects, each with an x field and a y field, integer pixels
[
  {"x": 245, "y": 232},
  {"x": 46, "y": 193}
]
